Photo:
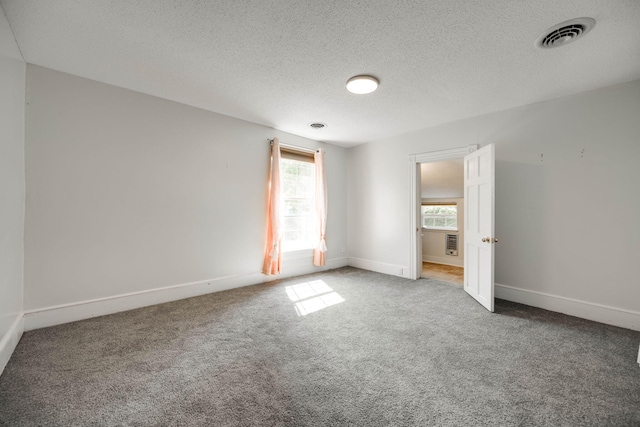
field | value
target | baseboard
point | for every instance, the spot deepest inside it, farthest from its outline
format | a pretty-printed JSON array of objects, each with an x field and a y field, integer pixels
[
  {"x": 573, "y": 307},
  {"x": 441, "y": 260},
  {"x": 379, "y": 267},
  {"x": 56, "y": 315},
  {"x": 10, "y": 340}
]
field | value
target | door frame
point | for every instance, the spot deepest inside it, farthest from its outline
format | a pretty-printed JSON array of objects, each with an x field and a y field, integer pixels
[{"x": 415, "y": 265}]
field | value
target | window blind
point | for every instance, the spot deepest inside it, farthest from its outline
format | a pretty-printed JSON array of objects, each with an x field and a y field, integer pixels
[{"x": 293, "y": 154}]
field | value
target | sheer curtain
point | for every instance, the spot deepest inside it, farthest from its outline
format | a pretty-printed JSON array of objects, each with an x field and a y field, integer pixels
[
  {"x": 320, "y": 252},
  {"x": 273, "y": 249}
]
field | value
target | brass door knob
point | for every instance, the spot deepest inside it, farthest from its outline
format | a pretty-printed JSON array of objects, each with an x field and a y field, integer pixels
[{"x": 495, "y": 240}]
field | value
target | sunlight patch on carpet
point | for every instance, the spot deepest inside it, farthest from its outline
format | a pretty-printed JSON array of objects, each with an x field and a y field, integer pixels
[{"x": 312, "y": 296}]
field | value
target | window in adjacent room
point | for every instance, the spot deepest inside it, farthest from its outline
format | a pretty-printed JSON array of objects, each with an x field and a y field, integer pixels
[
  {"x": 440, "y": 217},
  {"x": 297, "y": 174}
]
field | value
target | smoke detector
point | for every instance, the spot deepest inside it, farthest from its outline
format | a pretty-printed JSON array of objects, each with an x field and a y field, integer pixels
[{"x": 565, "y": 33}]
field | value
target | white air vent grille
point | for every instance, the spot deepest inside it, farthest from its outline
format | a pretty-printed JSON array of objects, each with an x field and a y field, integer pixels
[
  {"x": 565, "y": 32},
  {"x": 451, "y": 244}
]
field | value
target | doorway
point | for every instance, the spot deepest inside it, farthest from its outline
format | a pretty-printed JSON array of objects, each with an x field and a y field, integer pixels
[
  {"x": 479, "y": 221},
  {"x": 442, "y": 220},
  {"x": 415, "y": 184}
]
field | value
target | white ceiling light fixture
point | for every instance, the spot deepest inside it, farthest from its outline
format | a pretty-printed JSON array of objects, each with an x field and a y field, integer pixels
[
  {"x": 362, "y": 84},
  {"x": 565, "y": 33}
]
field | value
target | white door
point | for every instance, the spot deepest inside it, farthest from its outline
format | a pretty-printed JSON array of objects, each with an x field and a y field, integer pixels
[{"x": 479, "y": 224}]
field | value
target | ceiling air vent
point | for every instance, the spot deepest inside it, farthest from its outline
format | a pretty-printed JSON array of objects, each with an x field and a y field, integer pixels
[
  {"x": 565, "y": 33},
  {"x": 318, "y": 125}
]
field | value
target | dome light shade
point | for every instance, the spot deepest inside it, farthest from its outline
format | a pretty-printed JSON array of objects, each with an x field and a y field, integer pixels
[{"x": 362, "y": 84}]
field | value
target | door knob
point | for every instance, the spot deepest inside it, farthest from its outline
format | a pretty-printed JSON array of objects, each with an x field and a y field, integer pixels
[
  {"x": 486, "y": 239},
  {"x": 495, "y": 240}
]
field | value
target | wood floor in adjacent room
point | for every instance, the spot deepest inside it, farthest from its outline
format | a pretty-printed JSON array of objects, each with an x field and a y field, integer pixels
[{"x": 448, "y": 273}]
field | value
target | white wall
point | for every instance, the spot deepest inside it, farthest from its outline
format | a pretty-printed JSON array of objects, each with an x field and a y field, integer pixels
[
  {"x": 567, "y": 199},
  {"x": 12, "y": 81},
  {"x": 128, "y": 193},
  {"x": 443, "y": 179},
  {"x": 434, "y": 241}
]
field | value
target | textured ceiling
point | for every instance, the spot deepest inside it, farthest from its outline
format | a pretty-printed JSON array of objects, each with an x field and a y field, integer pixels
[{"x": 284, "y": 64}]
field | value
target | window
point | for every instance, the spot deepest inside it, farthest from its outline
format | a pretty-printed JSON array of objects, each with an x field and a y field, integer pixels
[
  {"x": 297, "y": 174},
  {"x": 440, "y": 217}
]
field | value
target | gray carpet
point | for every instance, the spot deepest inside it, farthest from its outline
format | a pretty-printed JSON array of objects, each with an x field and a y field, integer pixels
[{"x": 393, "y": 352}]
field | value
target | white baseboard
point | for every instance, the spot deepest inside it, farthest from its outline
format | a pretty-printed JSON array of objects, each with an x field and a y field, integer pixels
[
  {"x": 379, "y": 267},
  {"x": 56, "y": 315},
  {"x": 573, "y": 307},
  {"x": 442, "y": 260},
  {"x": 10, "y": 340}
]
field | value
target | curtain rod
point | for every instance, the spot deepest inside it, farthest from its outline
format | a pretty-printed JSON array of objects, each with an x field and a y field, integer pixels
[{"x": 294, "y": 147}]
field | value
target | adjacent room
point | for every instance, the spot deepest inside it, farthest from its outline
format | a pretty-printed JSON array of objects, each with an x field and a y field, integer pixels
[
  {"x": 312, "y": 213},
  {"x": 442, "y": 216}
]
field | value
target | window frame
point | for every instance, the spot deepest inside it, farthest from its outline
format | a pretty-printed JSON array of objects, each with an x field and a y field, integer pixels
[
  {"x": 293, "y": 251},
  {"x": 439, "y": 228}
]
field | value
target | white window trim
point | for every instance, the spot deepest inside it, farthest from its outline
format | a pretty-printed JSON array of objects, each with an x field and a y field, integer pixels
[
  {"x": 297, "y": 254},
  {"x": 436, "y": 228},
  {"x": 304, "y": 250},
  {"x": 440, "y": 228}
]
